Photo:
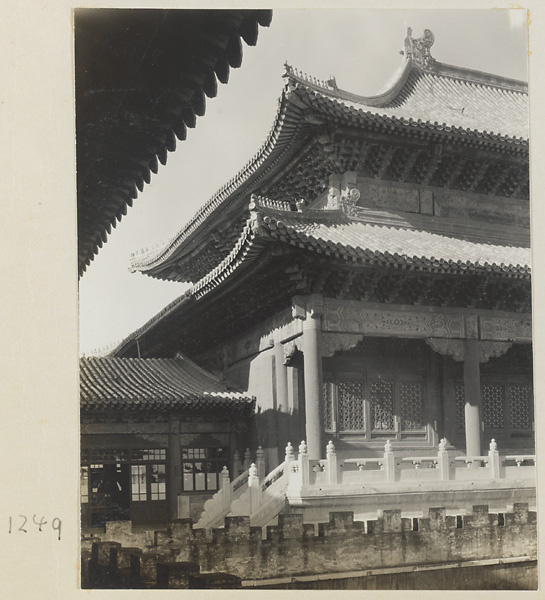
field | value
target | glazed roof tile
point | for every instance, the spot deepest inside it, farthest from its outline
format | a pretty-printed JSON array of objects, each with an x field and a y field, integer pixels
[
  {"x": 154, "y": 384},
  {"x": 467, "y": 105},
  {"x": 409, "y": 248},
  {"x": 449, "y": 99}
]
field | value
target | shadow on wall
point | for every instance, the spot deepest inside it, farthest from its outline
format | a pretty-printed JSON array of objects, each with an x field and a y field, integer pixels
[{"x": 274, "y": 429}]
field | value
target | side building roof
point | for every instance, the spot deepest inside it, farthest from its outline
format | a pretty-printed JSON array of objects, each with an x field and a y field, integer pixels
[{"x": 155, "y": 384}]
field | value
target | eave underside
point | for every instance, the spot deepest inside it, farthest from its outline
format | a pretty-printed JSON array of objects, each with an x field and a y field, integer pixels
[
  {"x": 410, "y": 159},
  {"x": 268, "y": 285},
  {"x": 141, "y": 80}
]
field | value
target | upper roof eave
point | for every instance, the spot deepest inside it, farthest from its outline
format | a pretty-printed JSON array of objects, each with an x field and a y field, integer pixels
[{"x": 240, "y": 185}]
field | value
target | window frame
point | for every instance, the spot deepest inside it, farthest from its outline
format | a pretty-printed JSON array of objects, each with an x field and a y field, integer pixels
[
  {"x": 397, "y": 376},
  {"x": 218, "y": 461}
]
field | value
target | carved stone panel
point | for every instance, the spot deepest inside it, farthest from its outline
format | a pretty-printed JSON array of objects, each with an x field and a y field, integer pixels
[
  {"x": 506, "y": 329},
  {"x": 351, "y": 318}
]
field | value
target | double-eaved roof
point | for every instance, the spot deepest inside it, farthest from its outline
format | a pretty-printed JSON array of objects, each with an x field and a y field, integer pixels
[
  {"x": 449, "y": 115},
  {"x": 156, "y": 385},
  {"x": 456, "y": 135}
]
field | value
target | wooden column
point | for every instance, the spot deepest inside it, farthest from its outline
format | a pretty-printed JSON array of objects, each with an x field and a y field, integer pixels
[
  {"x": 472, "y": 388},
  {"x": 281, "y": 387},
  {"x": 281, "y": 378},
  {"x": 174, "y": 482},
  {"x": 312, "y": 354}
]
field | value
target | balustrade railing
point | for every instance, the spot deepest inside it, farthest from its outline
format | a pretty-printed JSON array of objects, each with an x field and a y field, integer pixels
[
  {"x": 219, "y": 506},
  {"x": 262, "y": 497},
  {"x": 390, "y": 468}
]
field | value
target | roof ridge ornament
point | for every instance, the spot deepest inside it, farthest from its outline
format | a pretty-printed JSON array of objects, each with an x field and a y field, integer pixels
[
  {"x": 418, "y": 49},
  {"x": 329, "y": 84}
]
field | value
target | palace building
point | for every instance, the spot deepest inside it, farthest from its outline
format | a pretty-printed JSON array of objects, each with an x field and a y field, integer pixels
[{"x": 363, "y": 284}]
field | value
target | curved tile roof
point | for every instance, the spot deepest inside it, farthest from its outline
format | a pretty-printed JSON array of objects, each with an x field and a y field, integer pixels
[
  {"x": 142, "y": 77},
  {"x": 472, "y": 107},
  {"x": 409, "y": 248},
  {"x": 154, "y": 384}
]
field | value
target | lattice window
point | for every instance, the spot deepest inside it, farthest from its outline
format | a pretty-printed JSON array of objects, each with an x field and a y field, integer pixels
[
  {"x": 328, "y": 406},
  {"x": 158, "y": 482},
  {"x": 460, "y": 397},
  {"x": 138, "y": 483},
  {"x": 84, "y": 485},
  {"x": 350, "y": 402},
  {"x": 493, "y": 396},
  {"x": 520, "y": 398},
  {"x": 411, "y": 396},
  {"x": 201, "y": 468},
  {"x": 105, "y": 455},
  {"x": 382, "y": 404}
]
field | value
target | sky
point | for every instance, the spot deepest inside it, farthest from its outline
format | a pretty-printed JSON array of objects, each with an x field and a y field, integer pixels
[{"x": 361, "y": 48}]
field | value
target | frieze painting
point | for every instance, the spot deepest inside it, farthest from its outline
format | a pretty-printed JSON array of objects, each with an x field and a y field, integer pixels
[{"x": 305, "y": 299}]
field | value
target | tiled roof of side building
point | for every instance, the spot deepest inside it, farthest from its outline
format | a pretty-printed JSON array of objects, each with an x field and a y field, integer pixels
[
  {"x": 154, "y": 384},
  {"x": 441, "y": 100}
]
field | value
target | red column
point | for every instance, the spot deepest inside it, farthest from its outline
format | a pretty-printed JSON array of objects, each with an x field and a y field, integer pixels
[
  {"x": 312, "y": 330},
  {"x": 472, "y": 388}
]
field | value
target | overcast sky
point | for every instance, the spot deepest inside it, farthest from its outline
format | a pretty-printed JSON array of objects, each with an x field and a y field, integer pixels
[{"x": 359, "y": 47}]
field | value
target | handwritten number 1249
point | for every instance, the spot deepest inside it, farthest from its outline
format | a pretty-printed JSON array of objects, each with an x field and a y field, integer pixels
[{"x": 25, "y": 524}]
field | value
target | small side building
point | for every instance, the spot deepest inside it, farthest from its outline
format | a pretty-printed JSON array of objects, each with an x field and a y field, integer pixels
[{"x": 150, "y": 430}]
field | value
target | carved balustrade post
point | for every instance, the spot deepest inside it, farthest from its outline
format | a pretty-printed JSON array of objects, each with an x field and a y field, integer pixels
[
  {"x": 443, "y": 463},
  {"x": 389, "y": 463},
  {"x": 331, "y": 457},
  {"x": 254, "y": 486},
  {"x": 494, "y": 460},
  {"x": 247, "y": 459},
  {"x": 288, "y": 458},
  {"x": 237, "y": 464},
  {"x": 304, "y": 464},
  {"x": 226, "y": 490},
  {"x": 260, "y": 459}
]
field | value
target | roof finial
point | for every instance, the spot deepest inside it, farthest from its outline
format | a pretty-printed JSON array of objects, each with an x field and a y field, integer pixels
[{"x": 418, "y": 49}]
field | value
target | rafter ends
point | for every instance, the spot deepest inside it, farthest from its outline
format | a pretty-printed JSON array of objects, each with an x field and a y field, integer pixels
[
  {"x": 263, "y": 17},
  {"x": 249, "y": 31},
  {"x": 210, "y": 85},
  {"x": 188, "y": 115},
  {"x": 198, "y": 102},
  {"x": 162, "y": 155},
  {"x": 233, "y": 51},
  {"x": 180, "y": 129},
  {"x": 222, "y": 69}
]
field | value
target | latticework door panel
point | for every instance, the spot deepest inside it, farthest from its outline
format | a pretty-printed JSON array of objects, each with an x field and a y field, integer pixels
[
  {"x": 493, "y": 398},
  {"x": 350, "y": 403},
  {"x": 382, "y": 404},
  {"x": 411, "y": 396},
  {"x": 520, "y": 398}
]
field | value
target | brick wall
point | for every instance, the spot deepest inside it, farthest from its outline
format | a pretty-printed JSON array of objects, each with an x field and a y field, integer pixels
[{"x": 293, "y": 548}]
